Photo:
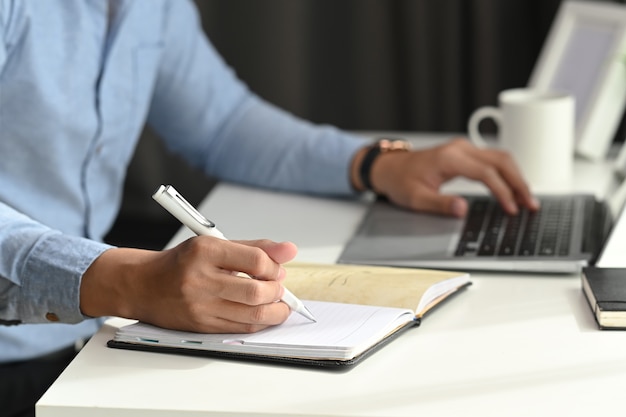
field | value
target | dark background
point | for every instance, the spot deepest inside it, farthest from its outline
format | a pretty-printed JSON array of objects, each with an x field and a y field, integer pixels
[{"x": 393, "y": 65}]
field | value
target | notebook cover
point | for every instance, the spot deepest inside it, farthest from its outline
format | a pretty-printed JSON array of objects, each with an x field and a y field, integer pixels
[
  {"x": 608, "y": 286},
  {"x": 318, "y": 363}
]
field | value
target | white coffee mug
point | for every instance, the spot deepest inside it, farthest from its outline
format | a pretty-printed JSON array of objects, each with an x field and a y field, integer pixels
[{"x": 537, "y": 128}]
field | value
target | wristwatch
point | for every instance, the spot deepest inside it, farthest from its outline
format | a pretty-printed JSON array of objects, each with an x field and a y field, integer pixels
[{"x": 378, "y": 148}]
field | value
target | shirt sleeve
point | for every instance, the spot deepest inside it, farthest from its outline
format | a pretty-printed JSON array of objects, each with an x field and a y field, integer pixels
[
  {"x": 204, "y": 112},
  {"x": 3, "y": 48},
  {"x": 41, "y": 270}
]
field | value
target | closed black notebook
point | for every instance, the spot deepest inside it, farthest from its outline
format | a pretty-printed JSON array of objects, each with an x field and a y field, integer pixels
[{"x": 605, "y": 289}]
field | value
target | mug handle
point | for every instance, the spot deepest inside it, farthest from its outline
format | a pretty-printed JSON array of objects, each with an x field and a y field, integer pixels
[{"x": 474, "y": 122}]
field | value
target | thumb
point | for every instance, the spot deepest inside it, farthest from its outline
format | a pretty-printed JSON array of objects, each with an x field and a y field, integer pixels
[{"x": 451, "y": 205}]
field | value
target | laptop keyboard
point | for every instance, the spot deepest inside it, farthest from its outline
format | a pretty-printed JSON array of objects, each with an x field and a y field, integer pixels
[{"x": 489, "y": 231}]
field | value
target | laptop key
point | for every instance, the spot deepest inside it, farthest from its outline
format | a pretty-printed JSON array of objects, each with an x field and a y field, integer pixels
[
  {"x": 475, "y": 220},
  {"x": 531, "y": 233},
  {"x": 490, "y": 232},
  {"x": 511, "y": 233}
]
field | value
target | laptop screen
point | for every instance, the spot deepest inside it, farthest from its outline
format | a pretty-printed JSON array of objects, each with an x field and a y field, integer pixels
[{"x": 612, "y": 255}]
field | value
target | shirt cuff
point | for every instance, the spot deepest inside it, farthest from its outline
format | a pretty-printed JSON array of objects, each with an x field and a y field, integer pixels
[{"x": 50, "y": 290}]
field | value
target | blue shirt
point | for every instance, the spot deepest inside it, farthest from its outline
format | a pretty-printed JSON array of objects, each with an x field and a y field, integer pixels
[{"x": 76, "y": 88}]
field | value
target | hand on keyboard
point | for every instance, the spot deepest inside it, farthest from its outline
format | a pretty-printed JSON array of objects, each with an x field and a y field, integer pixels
[{"x": 413, "y": 179}]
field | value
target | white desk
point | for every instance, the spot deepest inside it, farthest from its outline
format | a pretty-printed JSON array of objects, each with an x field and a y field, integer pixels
[{"x": 510, "y": 345}]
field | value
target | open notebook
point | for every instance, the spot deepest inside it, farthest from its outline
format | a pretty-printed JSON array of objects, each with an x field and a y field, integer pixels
[{"x": 358, "y": 309}]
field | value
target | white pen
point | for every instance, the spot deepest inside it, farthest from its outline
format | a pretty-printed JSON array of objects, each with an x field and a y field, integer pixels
[{"x": 172, "y": 201}]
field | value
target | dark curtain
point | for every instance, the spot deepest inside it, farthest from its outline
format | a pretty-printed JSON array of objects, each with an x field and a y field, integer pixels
[
  {"x": 380, "y": 64},
  {"x": 401, "y": 65}
]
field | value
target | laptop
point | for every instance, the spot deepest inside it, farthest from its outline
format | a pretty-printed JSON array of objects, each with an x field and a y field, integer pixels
[{"x": 568, "y": 232}]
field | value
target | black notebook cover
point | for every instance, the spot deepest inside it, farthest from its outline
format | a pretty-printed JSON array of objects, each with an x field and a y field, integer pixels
[
  {"x": 318, "y": 363},
  {"x": 605, "y": 289}
]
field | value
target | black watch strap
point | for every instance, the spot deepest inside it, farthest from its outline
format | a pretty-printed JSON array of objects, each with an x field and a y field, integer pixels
[
  {"x": 366, "y": 166},
  {"x": 381, "y": 146}
]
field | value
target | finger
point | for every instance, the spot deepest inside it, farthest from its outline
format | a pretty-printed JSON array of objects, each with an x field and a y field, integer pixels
[
  {"x": 512, "y": 175},
  {"x": 247, "y": 319},
  {"x": 280, "y": 252},
  {"x": 235, "y": 318},
  {"x": 429, "y": 200},
  {"x": 242, "y": 289},
  {"x": 246, "y": 258},
  {"x": 486, "y": 169}
]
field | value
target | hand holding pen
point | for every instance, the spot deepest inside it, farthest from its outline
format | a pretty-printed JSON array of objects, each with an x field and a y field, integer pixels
[
  {"x": 190, "y": 287},
  {"x": 174, "y": 203}
]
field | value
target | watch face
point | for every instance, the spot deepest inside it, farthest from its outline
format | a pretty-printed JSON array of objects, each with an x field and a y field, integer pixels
[{"x": 393, "y": 145}]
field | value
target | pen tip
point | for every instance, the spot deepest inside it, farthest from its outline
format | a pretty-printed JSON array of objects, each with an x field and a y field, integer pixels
[{"x": 307, "y": 313}]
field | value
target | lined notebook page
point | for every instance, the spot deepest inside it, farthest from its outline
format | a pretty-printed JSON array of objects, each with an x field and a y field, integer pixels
[{"x": 341, "y": 331}]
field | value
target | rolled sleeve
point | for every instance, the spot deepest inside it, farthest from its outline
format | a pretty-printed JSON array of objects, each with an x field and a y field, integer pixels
[
  {"x": 52, "y": 272},
  {"x": 41, "y": 271}
]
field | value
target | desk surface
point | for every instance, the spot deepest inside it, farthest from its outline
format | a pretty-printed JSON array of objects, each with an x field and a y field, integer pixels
[{"x": 511, "y": 345}]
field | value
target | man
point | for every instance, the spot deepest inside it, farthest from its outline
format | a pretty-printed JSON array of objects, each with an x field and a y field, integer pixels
[{"x": 78, "y": 80}]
